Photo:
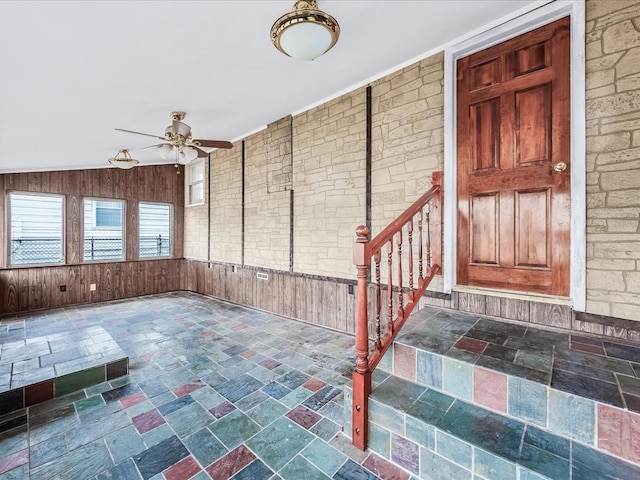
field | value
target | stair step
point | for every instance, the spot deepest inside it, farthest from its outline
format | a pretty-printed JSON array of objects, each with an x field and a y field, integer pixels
[
  {"x": 435, "y": 435},
  {"x": 49, "y": 366},
  {"x": 583, "y": 388}
]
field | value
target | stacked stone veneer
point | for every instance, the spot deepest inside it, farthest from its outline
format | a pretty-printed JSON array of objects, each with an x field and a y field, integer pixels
[
  {"x": 226, "y": 205},
  {"x": 329, "y": 183},
  {"x": 407, "y": 142},
  {"x": 613, "y": 158},
  {"x": 267, "y": 214}
]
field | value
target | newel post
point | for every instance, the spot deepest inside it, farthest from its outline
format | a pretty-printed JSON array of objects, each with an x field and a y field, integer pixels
[{"x": 361, "y": 374}]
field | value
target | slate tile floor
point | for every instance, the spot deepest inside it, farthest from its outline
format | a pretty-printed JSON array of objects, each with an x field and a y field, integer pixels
[
  {"x": 214, "y": 391},
  {"x": 602, "y": 370}
]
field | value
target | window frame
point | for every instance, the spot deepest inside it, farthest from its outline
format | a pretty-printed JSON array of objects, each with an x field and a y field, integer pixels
[
  {"x": 188, "y": 183},
  {"x": 9, "y": 229},
  {"x": 171, "y": 230},
  {"x": 105, "y": 229}
]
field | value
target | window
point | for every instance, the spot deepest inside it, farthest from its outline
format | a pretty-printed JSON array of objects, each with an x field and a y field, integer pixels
[
  {"x": 155, "y": 230},
  {"x": 195, "y": 183},
  {"x": 36, "y": 229},
  {"x": 108, "y": 215},
  {"x": 103, "y": 230}
]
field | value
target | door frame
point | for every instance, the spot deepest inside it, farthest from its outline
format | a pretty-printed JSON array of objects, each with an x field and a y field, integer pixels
[{"x": 491, "y": 36}]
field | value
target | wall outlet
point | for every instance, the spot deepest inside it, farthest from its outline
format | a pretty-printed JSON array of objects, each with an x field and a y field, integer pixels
[
  {"x": 63, "y": 288},
  {"x": 92, "y": 287},
  {"x": 262, "y": 276},
  {"x": 234, "y": 268},
  {"x": 350, "y": 289}
]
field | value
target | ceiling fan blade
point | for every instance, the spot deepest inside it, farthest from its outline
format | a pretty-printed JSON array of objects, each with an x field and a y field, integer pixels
[
  {"x": 201, "y": 153},
  {"x": 155, "y": 146},
  {"x": 213, "y": 143},
  {"x": 139, "y": 133}
]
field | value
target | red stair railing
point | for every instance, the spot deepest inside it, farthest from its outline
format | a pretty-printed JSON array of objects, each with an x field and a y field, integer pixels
[{"x": 426, "y": 213}]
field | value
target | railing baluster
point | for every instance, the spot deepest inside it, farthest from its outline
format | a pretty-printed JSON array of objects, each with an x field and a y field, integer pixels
[
  {"x": 410, "y": 237},
  {"x": 400, "y": 293},
  {"x": 420, "y": 251},
  {"x": 428, "y": 241},
  {"x": 376, "y": 258},
  {"x": 390, "y": 286}
]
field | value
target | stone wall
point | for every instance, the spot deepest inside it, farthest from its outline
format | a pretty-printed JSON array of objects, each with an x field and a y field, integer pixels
[
  {"x": 329, "y": 147},
  {"x": 613, "y": 158},
  {"x": 267, "y": 213},
  {"x": 226, "y": 205},
  {"x": 407, "y": 142}
]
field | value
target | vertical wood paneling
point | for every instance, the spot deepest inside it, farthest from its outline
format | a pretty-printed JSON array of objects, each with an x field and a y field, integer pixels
[
  {"x": 288, "y": 296},
  {"x": 39, "y": 287}
]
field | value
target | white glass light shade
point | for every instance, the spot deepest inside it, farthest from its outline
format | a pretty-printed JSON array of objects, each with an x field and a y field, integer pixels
[
  {"x": 123, "y": 160},
  {"x": 305, "y": 40},
  {"x": 165, "y": 151},
  {"x": 122, "y": 163},
  {"x": 186, "y": 155},
  {"x": 306, "y": 32}
]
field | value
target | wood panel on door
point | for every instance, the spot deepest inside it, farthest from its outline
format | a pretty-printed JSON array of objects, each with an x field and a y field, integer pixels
[{"x": 513, "y": 167}]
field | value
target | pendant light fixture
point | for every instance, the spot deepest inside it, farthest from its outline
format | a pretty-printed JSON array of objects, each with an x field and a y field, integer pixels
[
  {"x": 123, "y": 160},
  {"x": 306, "y": 32}
]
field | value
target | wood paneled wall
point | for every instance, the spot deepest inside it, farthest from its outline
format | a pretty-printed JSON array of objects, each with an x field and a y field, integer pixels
[
  {"x": 37, "y": 288},
  {"x": 317, "y": 300},
  {"x": 31, "y": 288}
]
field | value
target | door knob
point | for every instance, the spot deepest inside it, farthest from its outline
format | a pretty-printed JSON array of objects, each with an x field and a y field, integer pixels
[{"x": 560, "y": 167}]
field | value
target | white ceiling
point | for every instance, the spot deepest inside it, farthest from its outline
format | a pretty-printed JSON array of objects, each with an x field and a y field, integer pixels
[{"x": 72, "y": 71}]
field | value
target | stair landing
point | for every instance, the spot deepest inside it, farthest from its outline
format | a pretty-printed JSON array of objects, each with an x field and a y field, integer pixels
[{"x": 552, "y": 404}]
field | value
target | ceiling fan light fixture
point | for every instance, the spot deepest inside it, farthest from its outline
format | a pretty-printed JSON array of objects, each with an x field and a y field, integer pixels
[
  {"x": 306, "y": 32},
  {"x": 123, "y": 160},
  {"x": 165, "y": 151},
  {"x": 186, "y": 155}
]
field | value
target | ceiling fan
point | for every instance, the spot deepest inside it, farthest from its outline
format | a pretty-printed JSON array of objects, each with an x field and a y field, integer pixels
[{"x": 179, "y": 142}]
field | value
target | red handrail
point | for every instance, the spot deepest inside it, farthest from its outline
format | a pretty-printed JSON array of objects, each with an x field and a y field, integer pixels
[{"x": 428, "y": 206}]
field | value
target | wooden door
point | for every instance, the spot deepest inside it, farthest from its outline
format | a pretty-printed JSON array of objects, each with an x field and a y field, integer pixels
[{"x": 513, "y": 167}]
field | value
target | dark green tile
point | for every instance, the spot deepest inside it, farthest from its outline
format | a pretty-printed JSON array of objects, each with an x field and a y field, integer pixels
[
  {"x": 493, "y": 467},
  {"x": 426, "y": 412},
  {"x": 79, "y": 380},
  {"x": 188, "y": 419},
  {"x": 124, "y": 443},
  {"x": 543, "y": 462},
  {"x": 547, "y": 441},
  {"x": 397, "y": 393},
  {"x": 299, "y": 468},
  {"x": 439, "y": 468},
  {"x": 234, "y": 428},
  {"x": 84, "y": 462},
  {"x": 484, "y": 429},
  {"x": 266, "y": 412},
  {"x": 325, "y": 429},
  {"x": 605, "y": 465},
  {"x": 46, "y": 451},
  {"x": 279, "y": 442},
  {"x": 437, "y": 399},
  {"x": 89, "y": 403},
  {"x": 11, "y": 400},
  {"x": 204, "y": 446}
]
